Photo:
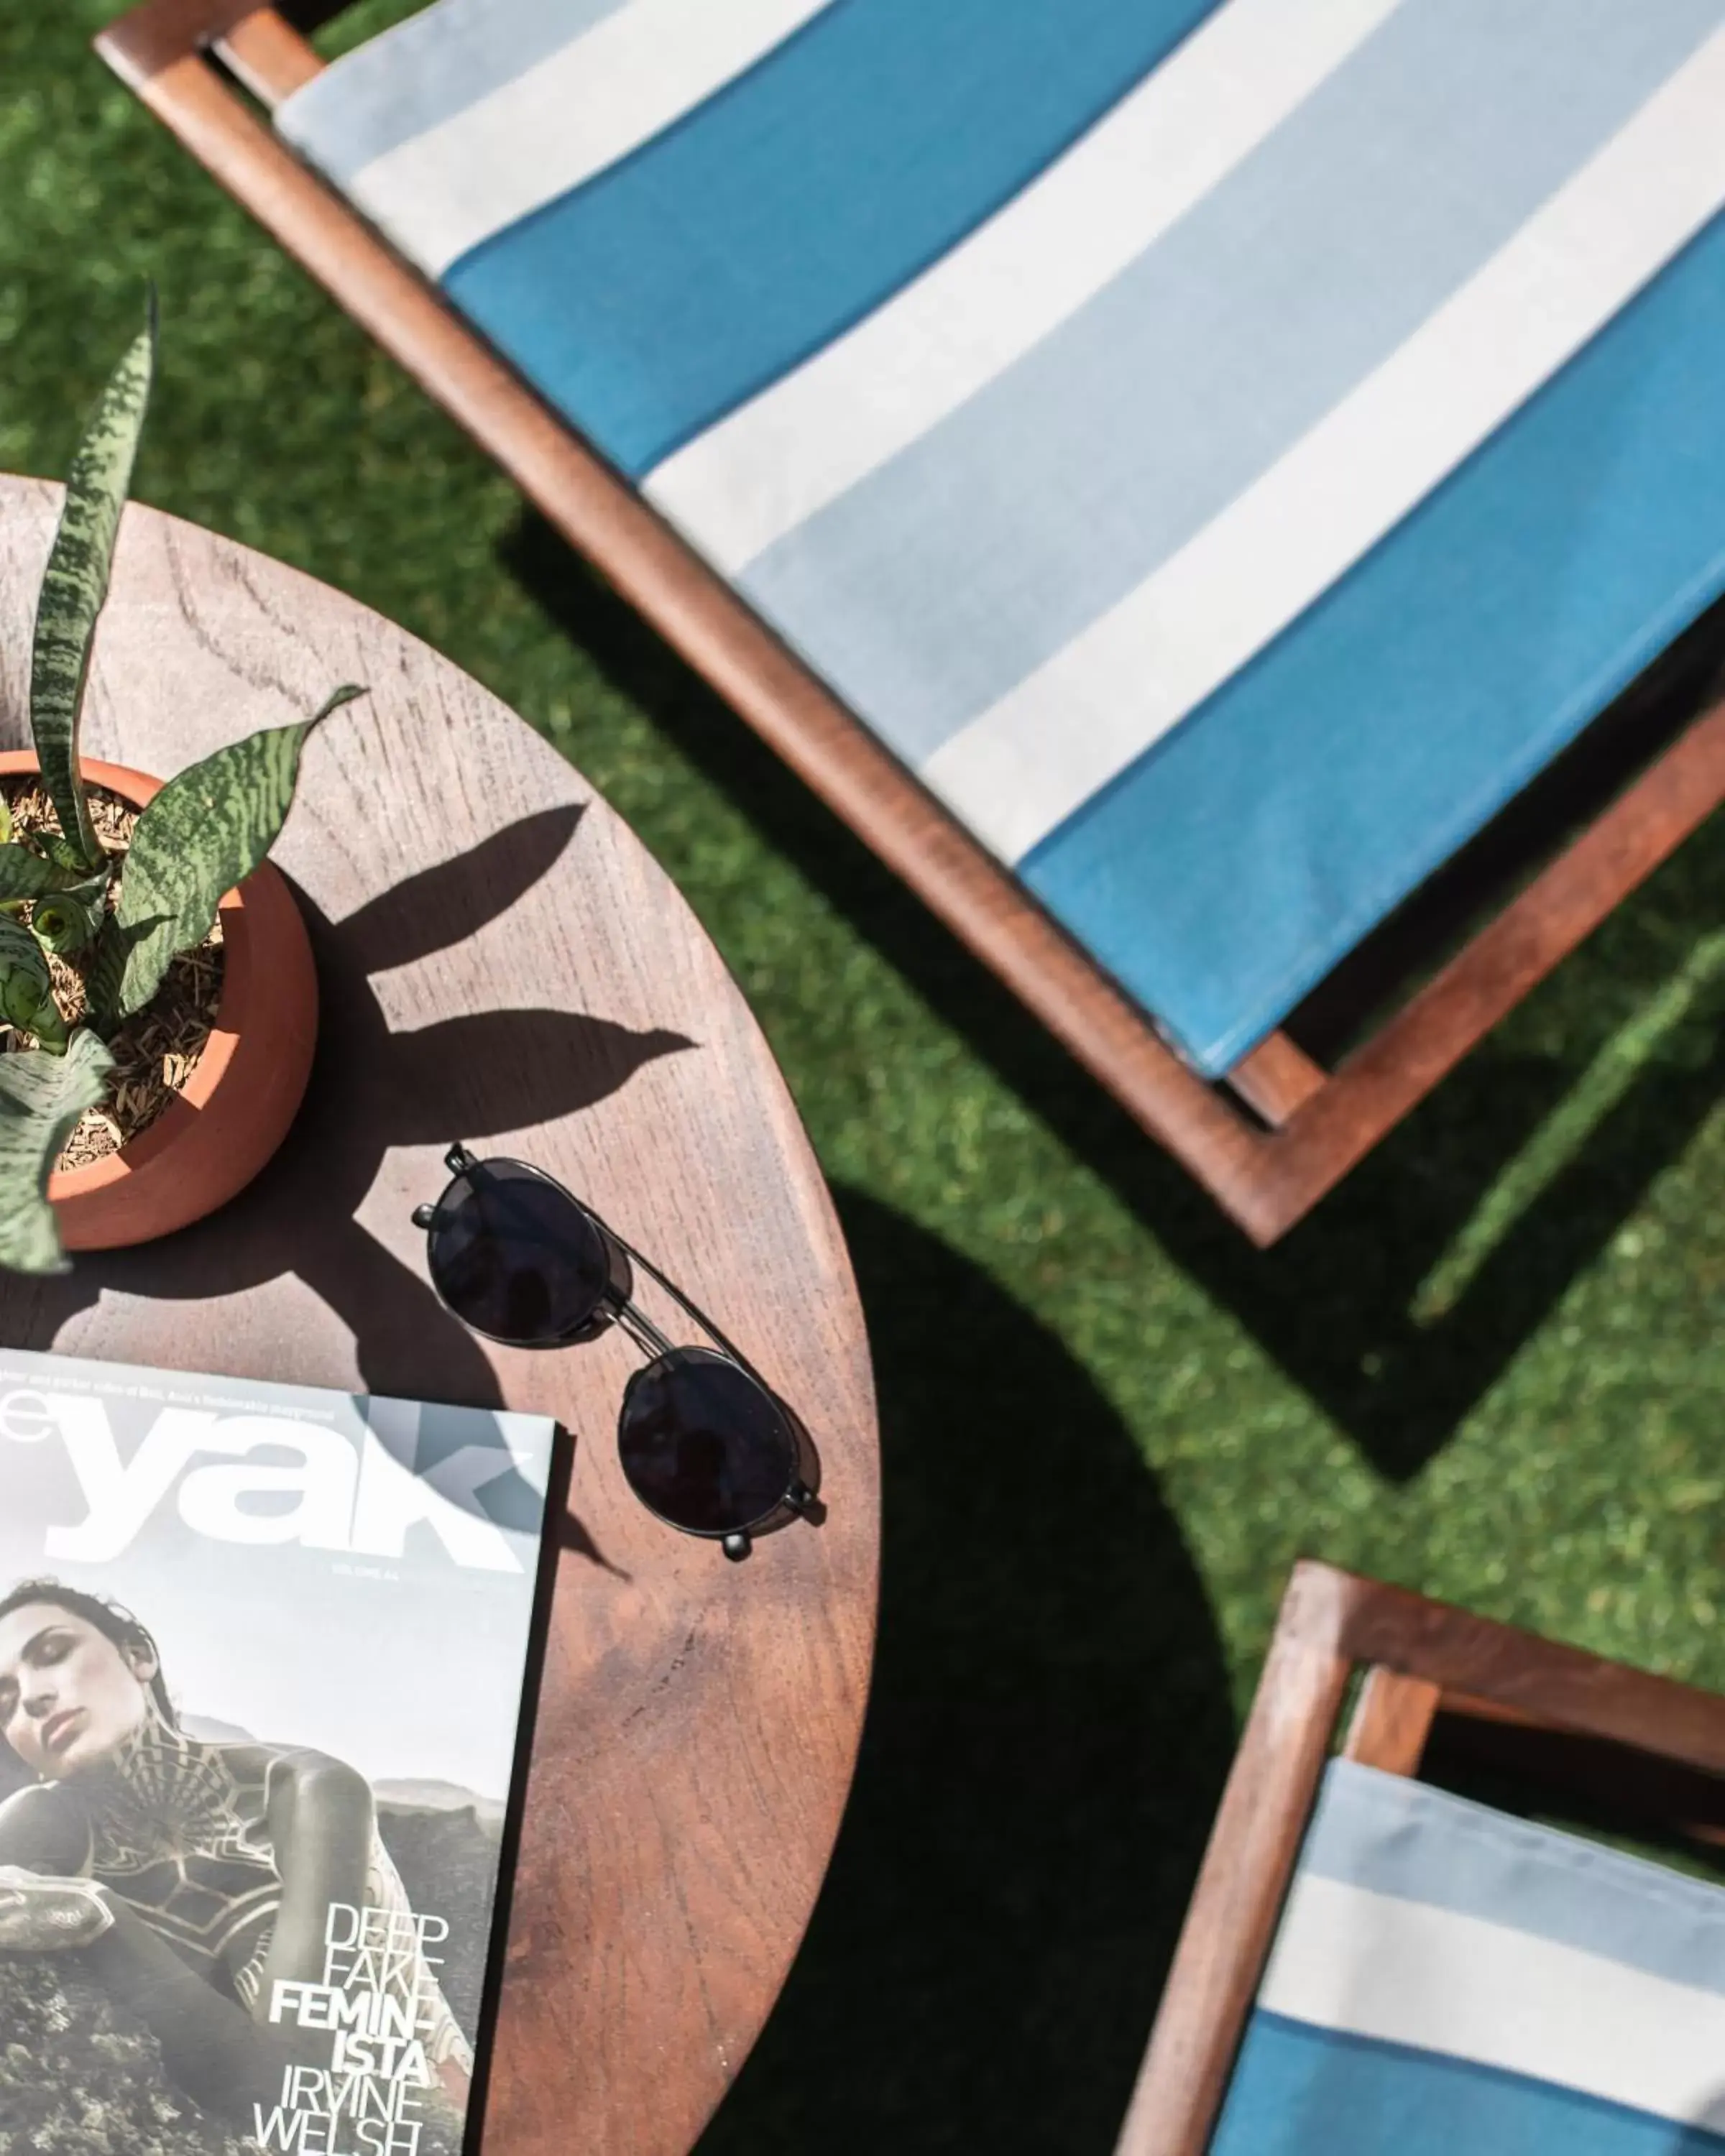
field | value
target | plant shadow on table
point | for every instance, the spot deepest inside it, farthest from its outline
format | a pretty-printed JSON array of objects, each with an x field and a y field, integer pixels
[
  {"x": 1049, "y": 1730},
  {"x": 1363, "y": 1304},
  {"x": 484, "y": 1072}
]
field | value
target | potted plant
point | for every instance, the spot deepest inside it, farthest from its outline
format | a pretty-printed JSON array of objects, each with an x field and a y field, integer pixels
[{"x": 126, "y": 906}]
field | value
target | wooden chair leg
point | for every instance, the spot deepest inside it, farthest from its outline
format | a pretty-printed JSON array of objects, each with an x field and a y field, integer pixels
[
  {"x": 1277, "y": 1079},
  {"x": 1424, "y": 1040},
  {"x": 1391, "y": 1722},
  {"x": 1234, "y": 1905}
]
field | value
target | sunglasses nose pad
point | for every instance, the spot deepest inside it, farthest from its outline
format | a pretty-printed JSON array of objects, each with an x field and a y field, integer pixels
[
  {"x": 736, "y": 1547},
  {"x": 423, "y": 1216}
]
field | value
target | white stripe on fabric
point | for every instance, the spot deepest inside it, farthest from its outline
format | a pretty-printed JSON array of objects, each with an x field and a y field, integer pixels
[
  {"x": 414, "y": 74},
  {"x": 800, "y": 443},
  {"x": 1407, "y": 1972},
  {"x": 1392, "y": 1835},
  {"x": 579, "y": 110},
  {"x": 1020, "y": 769}
]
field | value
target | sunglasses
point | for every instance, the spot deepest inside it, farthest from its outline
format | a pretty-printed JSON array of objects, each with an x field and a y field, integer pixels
[{"x": 703, "y": 1443}]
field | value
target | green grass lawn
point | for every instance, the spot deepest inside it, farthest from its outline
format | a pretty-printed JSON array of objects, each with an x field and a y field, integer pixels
[{"x": 1488, "y": 1367}]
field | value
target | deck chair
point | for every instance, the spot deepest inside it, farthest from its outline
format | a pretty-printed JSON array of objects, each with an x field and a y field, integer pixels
[
  {"x": 1167, "y": 472},
  {"x": 1374, "y": 1966}
]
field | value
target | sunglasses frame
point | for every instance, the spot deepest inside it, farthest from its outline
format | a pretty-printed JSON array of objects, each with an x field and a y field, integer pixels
[{"x": 615, "y": 1305}]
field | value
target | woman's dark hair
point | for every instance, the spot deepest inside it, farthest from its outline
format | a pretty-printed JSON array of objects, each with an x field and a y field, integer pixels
[{"x": 111, "y": 1618}]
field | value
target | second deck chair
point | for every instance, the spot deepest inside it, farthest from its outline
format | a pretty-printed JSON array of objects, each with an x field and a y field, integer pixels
[
  {"x": 1372, "y": 1966},
  {"x": 1168, "y": 471}
]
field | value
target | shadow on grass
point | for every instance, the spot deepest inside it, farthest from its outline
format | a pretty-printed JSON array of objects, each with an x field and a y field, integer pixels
[
  {"x": 1335, "y": 1301},
  {"x": 1048, "y": 1734}
]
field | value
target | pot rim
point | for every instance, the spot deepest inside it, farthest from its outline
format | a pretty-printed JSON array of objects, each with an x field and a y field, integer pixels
[{"x": 238, "y": 987}]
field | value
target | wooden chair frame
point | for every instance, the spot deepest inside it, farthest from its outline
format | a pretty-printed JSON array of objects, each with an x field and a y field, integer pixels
[
  {"x": 1300, "y": 1128},
  {"x": 1594, "y": 1727}
]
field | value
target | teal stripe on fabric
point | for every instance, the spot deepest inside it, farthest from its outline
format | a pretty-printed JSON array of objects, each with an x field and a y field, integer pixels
[
  {"x": 658, "y": 295},
  {"x": 1225, "y": 873},
  {"x": 1401, "y": 1837},
  {"x": 411, "y": 78},
  {"x": 1299, "y": 2091},
  {"x": 933, "y": 587}
]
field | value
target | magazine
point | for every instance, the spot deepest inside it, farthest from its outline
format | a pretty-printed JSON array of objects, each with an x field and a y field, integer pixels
[{"x": 262, "y": 1652}]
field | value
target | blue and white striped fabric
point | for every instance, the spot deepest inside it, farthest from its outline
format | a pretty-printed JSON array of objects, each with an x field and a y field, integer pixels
[
  {"x": 1445, "y": 1978},
  {"x": 1225, "y": 449}
]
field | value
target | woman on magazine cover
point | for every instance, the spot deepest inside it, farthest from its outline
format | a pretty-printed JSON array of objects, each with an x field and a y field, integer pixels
[{"x": 198, "y": 1875}]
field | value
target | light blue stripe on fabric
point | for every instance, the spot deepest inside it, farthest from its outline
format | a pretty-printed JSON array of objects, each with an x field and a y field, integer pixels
[
  {"x": 1401, "y": 1837},
  {"x": 654, "y": 299},
  {"x": 410, "y": 78},
  {"x": 1298, "y": 2091},
  {"x": 1225, "y": 872},
  {"x": 938, "y": 583}
]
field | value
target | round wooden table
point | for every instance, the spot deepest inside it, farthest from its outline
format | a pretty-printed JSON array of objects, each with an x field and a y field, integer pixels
[{"x": 500, "y": 960}]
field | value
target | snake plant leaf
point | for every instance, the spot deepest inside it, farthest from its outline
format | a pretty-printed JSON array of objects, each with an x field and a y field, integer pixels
[
  {"x": 26, "y": 875},
  {"x": 5, "y": 820},
  {"x": 206, "y": 831},
  {"x": 104, "y": 974},
  {"x": 75, "y": 584},
  {"x": 41, "y": 1099},
  {"x": 65, "y": 856},
  {"x": 27, "y": 988},
  {"x": 66, "y": 921}
]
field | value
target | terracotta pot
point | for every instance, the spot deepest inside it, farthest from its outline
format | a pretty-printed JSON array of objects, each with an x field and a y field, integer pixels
[{"x": 234, "y": 1110}]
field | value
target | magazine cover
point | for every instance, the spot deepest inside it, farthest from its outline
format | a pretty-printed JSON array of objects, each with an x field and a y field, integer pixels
[{"x": 262, "y": 1650}]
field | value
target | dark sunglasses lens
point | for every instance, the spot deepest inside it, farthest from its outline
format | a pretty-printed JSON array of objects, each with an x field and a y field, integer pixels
[
  {"x": 703, "y": 1445},
  {"x": 514, "y": 1257}
]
